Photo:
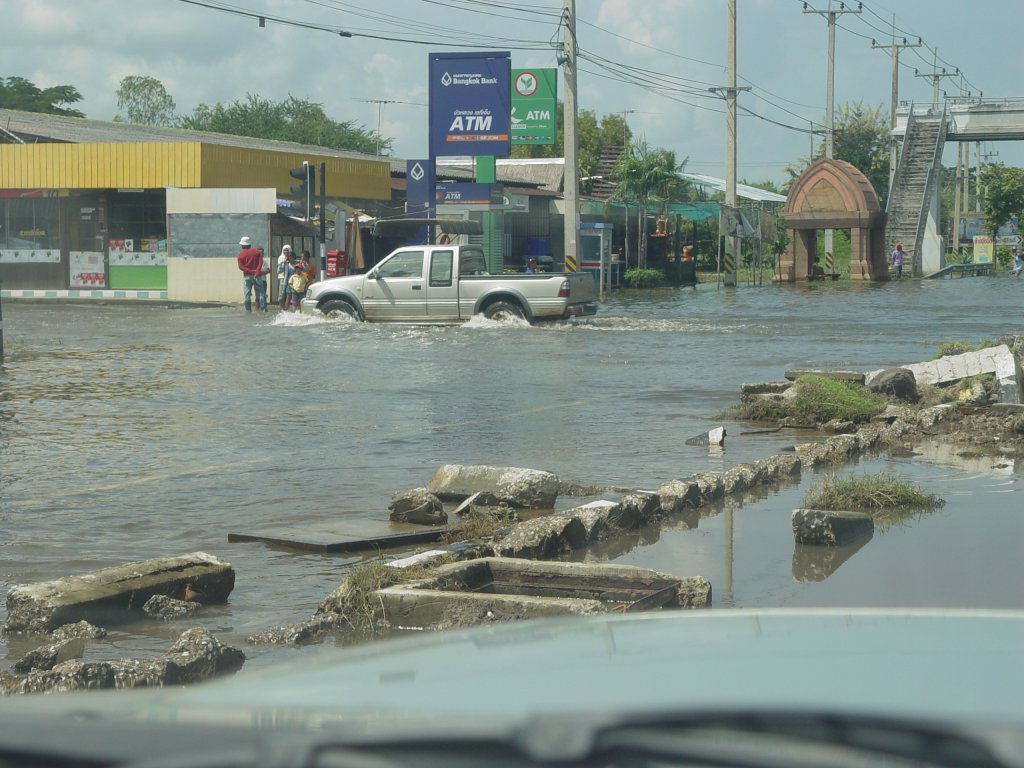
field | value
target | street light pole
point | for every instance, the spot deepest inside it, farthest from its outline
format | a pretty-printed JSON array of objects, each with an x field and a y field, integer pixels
[{"x": 830, "y": 127}]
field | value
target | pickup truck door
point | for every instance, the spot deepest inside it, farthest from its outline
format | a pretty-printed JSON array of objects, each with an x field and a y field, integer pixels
[
  {"x": 394, "y": 289},
  {"x": 443, "y": 288}
]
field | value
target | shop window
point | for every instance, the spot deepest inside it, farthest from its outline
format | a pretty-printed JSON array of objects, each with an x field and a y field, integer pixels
[
  {"x": 29, "y": 224},
  {"x": 138, "y": 216}
]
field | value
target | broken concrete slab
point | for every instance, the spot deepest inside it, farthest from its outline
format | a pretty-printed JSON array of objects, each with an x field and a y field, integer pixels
[
  {"x": 514, "y": 486},
  {"x": 169, "y": 609},
  {"x": 543, "y": 538},
  {"x": 714, "y": 436},
  {"x": 827, "y": 528},
  {"x": 998, "y": 360},
  {"x": 118, "y": 593},
  {"x": 49, "y": 656},
  {"x": 417, "y": 506},
  {"x": 345, "y": 535},
  {"x": 777, "y": 467},
  {"x": 747, "y": 391},
  {"x": 504, "y": 589},
  {"x": 196, "y": 656},
  {"x": 855, "y": 377}
]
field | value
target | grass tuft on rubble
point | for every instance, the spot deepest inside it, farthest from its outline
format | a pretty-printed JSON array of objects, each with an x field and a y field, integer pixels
[
  {"x": 356, "y": 599},
  {"x": 816, "y": 400},
  {"x": 888, "y": 499},
  {"x": 481, "y": 524}
]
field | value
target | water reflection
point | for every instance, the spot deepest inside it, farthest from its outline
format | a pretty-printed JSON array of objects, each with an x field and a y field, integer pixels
[{"x": 812, "y": 563}]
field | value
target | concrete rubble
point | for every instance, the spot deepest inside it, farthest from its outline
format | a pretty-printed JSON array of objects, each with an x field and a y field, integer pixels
[
  {"x": 825, "y": 528},
  {"x": 169, "y": 609},
  {"x": 418, "y": 506},
  {"x": 196, "y": 656},
  {"x": 998, "y": 361},
  {"x": 898, "y": 383},
  {"x": 118, "y": 593},
  {"x": 514, "y": 486},
  {"x": 505, "y": 589}
]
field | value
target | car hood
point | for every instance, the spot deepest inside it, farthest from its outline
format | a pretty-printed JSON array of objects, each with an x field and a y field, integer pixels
[{"x": 941, "y": 665}]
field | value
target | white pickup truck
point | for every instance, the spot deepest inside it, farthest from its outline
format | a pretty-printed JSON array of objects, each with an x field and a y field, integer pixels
[{"x": 449, "y": 284}]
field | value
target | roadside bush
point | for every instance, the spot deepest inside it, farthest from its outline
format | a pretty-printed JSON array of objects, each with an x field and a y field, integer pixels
[
  {"x": 644, "y": 278},
  {"x": 885, "y": 497},
  {"x": 816, "y": 400}
]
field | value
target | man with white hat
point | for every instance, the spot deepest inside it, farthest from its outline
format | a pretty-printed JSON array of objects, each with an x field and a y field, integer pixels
[{"x": 250, "y": 262}]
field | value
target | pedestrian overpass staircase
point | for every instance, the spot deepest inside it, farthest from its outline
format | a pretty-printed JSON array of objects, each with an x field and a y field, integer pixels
[
  {"x": 913, "y": 206},
  {"x": 917, "y": 180}
]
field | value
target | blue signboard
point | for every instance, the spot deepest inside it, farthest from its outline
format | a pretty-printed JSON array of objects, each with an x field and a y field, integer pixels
[
  {"x": 419, "y": 187},
  {"x": 470, "y": 103},
  {"x": 468, "y": 194}
]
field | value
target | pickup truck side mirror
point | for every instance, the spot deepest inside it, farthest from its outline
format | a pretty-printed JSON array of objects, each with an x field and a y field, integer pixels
[{"x": 373, "y": 274}]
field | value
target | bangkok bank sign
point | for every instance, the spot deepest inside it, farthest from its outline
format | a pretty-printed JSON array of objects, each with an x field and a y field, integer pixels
[{"x": 470, "y": 103}]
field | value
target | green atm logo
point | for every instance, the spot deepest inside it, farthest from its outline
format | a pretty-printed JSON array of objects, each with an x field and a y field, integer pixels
[{"x": 534, "y": 96}]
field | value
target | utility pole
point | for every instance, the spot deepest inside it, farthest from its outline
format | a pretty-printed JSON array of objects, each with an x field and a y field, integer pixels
[
  {"x": 984, "y": 158},
  {"x": 729, "y": 93},
  {"x": 936, "y": 76},
  {"x": 957, "y": 187},
  {"x": 895, "y": 48},
  {"x": 380, "y": 113},
  {"x": 831, "y": 14},
  {"x": 571, "y": 172},
  {"x": 625, "y": 128}
]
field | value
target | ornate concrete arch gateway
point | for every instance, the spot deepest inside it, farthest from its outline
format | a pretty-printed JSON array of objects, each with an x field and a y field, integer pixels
[{"x": 832, "y": 194}]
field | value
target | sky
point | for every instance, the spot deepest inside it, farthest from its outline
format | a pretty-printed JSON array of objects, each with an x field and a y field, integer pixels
[{"x": 653, "y": 61}]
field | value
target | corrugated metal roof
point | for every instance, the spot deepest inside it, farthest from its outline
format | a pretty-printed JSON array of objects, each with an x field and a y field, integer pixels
[
  {"x": 79, "y": 130},
  {"x": 742, "y": 190}
]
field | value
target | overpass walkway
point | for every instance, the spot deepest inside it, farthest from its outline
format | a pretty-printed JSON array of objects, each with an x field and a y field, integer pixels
[{"x": 913, "y": 205}]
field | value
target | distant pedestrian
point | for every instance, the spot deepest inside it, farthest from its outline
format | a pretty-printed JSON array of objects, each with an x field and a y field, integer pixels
[
  {"x": 284, "y": 271},
  {"x": 303, "y": 273},
  {"x": 817, "y": 271},
  {"x": 531, "y": 265},
  {"x": 897, "y": 260},
  {"x": 250, "y": 262},
  {"x": 1018, "y": 263}
]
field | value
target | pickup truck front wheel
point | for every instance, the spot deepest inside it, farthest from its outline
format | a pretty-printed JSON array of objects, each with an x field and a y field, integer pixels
[
  {"x": 504, "y": 310},
  {"x": 339, "y": 308}
]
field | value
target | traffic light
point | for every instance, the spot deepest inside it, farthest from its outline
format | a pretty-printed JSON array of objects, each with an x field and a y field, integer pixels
[{"x": 304, "y": 190}]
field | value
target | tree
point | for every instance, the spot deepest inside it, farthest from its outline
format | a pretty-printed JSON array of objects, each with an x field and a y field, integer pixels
[
  {"x": 643, "y": 176},
  {"x": 19, "y": 93},
  {"x": 861, "y": 138},
  {"x": 1004, "y": 194},
  {"x": 296, "y": 120},
  {"x": 145, "y": 101}
]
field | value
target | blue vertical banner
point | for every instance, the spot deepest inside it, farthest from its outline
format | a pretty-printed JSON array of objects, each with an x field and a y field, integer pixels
[
  {"x": 419, "y": 187},
  {"x": 419, "y": 194},
  {"x": 470, "y": 104}
]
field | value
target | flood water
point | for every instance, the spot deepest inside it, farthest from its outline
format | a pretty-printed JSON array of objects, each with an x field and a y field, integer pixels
[{"x": 131, "y": 432}]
